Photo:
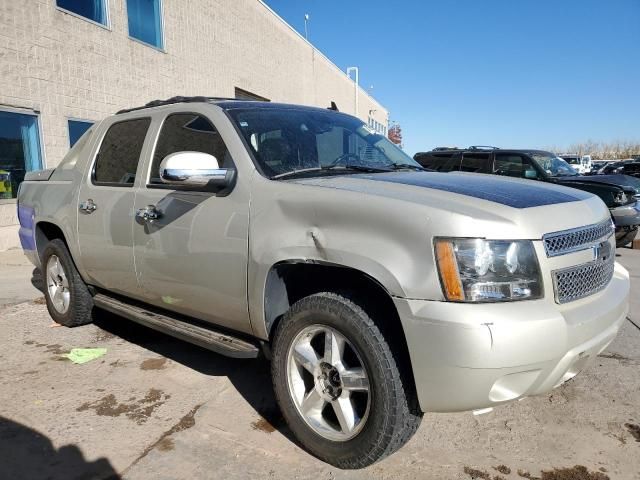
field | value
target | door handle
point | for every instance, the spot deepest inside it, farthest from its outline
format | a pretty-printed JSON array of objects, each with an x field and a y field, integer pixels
[
  {"x": 148, "y": 213},
  {"x": 88, "y": 207}
]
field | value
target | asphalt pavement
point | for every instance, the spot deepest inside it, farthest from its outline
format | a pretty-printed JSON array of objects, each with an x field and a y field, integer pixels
[{"x": 157, "y": 408}]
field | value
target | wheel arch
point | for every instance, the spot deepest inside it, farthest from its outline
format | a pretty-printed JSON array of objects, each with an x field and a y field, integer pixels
[
  {"x": 289, "y": 281},
  {"x": 46, "y": 231}
]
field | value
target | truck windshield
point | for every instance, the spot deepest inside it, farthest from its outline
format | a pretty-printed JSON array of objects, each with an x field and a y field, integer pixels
[
  {"x": 572, "y": 160},
  {"x": 291, "y": 141},
  {"x": 554, "y": 166}
]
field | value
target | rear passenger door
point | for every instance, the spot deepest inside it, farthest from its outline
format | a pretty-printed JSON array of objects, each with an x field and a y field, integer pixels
[
  {"x": 193, "y": 258},
  {"x": 105, "y": 207}
]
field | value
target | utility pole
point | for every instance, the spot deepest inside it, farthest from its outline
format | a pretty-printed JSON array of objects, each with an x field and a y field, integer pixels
[
  {"x": 355, "y": 87},
  {"x": 306, "y": 28}
]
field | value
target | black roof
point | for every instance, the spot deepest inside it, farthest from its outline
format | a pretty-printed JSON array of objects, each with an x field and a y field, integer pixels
[
  {"x": 477, "y": 149},
  {"x": 226, "y": 103}
]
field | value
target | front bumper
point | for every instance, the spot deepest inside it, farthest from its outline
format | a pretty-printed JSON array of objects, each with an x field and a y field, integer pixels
[{"x": 473, "y": 356}]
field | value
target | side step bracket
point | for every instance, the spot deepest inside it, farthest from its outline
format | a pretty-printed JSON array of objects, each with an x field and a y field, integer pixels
[{"x": 190, "y": 331}]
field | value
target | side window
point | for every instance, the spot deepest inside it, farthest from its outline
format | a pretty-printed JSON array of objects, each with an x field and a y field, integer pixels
[
  {"x": 188, "y": 132},
  {"x": 432, "y": 161},
  {"x": 441, "y": 162},
  {"x": 475, "y": 162},
  {"x": 119, "y": 154},
  {"x": 513, "y": 165},
  {"x": 450, "y": 163}
]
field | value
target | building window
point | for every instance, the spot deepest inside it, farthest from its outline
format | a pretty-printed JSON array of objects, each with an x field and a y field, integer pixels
[
  {"x": 95, "y": 10},
  {"x": 19, "y": 150},
  {"x": 145, "y": 21},
  {"x": 76, "y": 130}
]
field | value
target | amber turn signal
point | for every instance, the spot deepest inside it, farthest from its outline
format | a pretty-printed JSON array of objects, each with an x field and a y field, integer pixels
[{"x": 448, "y": 268}]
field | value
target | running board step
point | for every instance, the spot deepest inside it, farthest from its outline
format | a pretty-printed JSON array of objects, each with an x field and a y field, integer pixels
[{"x": 222, "y": 343}]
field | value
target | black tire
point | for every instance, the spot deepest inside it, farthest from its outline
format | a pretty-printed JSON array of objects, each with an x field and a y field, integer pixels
[
  {"x": 393, "y": 413},
  {"x": 80, "y": 309},
  {"x": 625, "y": 235}
]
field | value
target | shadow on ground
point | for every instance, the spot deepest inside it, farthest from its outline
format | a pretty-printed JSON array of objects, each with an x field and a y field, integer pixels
[
  {"x": 27, "y": 453},
  {"x": 251, "y": 378}
]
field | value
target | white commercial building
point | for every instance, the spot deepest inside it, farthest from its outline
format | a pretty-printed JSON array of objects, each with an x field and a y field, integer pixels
[{"x": 67, "y": 63}]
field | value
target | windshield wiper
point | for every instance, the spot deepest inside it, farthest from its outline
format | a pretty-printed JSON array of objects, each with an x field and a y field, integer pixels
[{"x": 354, "y": 168}]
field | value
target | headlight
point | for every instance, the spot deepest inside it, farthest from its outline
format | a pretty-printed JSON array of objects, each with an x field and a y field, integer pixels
[
  {"x": 620, "y": 198},
  {"x": 477, "y": 270}
]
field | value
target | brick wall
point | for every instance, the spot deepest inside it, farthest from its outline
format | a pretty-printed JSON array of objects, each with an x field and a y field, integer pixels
[{"x": 65, "y": 67}]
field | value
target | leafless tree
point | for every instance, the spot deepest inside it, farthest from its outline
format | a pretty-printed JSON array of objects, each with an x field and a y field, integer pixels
[{"x": 614, "y": 150}]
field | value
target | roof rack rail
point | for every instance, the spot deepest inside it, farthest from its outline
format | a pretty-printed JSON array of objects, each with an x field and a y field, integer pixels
[
  {"x": 177, "y": 99},
  {"x": 443, "y": 149},
  {"x": 483, "y": 147}
]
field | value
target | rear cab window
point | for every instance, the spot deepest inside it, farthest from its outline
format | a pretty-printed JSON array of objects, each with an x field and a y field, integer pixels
[{"x": 117, "y": 159}]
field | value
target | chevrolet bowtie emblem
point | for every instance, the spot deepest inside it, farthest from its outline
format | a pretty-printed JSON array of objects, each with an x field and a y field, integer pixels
[{"x": 601, "y": 251}]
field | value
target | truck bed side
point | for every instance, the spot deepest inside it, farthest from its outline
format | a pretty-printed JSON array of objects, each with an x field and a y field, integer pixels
[{"x": 47, "y": 200}]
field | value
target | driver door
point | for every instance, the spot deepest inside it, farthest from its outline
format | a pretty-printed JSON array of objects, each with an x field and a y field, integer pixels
[{"x": 192, "y": 259}]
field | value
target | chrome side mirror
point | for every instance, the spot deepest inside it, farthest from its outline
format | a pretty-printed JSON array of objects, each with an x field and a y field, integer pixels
[{"x": 195, "y": 170}]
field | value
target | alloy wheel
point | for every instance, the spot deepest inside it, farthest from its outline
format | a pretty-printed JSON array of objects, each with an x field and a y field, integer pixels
[
  {"x": 58, "y": 285},
  {"x": 328, "y": 383}
]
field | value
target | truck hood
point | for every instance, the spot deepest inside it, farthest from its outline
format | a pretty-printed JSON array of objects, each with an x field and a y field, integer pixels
[
  {"x": 461, "y": 204},
  {"x": 510, "y": 192},
  {"x": 617, "y": 180}
]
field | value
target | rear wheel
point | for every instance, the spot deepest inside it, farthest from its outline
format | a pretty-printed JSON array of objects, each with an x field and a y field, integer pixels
[
  {"x": 69, "y": 301},
  {"x": 338, "y": 385}
]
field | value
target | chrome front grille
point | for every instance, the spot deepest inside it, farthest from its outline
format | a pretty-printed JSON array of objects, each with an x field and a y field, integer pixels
[
  {"x": 567, "y": 241},
  {"x": 577, "y": 282}
]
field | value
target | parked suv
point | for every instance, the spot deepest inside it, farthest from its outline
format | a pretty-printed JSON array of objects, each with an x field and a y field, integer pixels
[
  {"x": 379, "y": 291},
  {"x": 630, "y": 167},
  {"x": 619, "y": 192}
]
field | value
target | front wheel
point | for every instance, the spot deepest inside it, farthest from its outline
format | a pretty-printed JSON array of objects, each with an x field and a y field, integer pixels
[
  {"x": 338, "y": 384},
  {"x": 625, "y": 235}
]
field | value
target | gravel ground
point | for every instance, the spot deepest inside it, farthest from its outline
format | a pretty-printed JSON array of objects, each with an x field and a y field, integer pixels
[{"x": 157, "y": 408}]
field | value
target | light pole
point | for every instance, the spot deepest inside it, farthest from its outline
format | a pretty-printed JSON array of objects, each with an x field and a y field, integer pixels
[
  {"x": 355, "y": 87},
  {"x": 306, "y": 29}
]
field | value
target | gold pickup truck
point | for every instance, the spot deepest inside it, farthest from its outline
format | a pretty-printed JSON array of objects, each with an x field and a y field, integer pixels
[{"x": 377, "y": 290}]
